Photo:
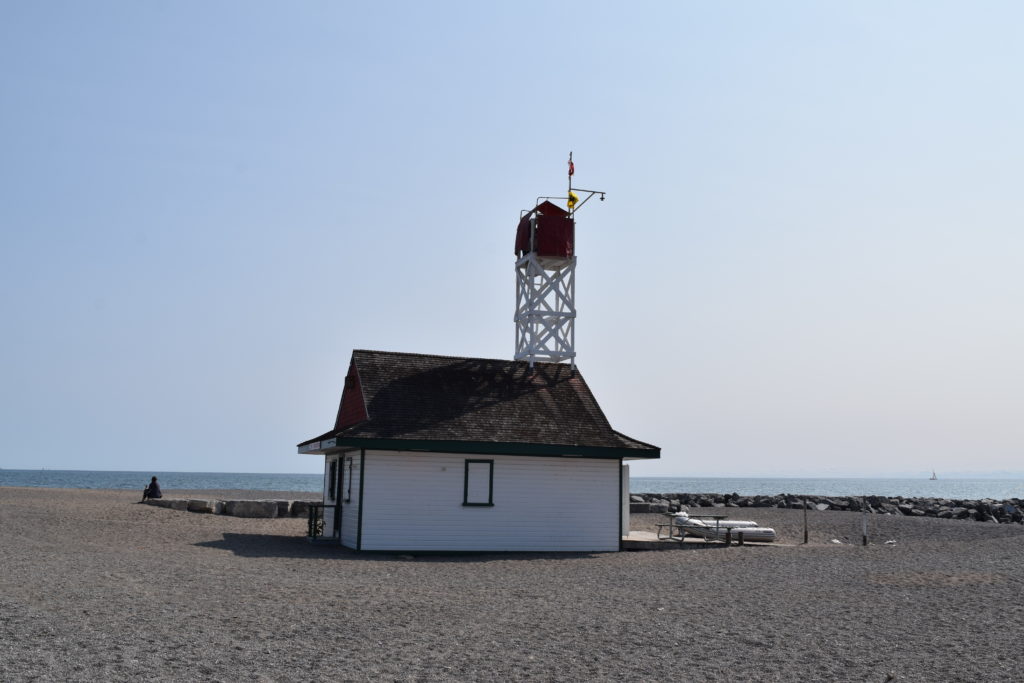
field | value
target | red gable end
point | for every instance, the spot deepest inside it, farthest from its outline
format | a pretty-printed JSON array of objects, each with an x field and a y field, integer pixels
[
  {"x": 353, "y": 408},
  {"x": 555, "y": 231}
]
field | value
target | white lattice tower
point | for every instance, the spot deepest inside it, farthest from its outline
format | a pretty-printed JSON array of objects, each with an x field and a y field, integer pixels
[
  {"x": 545, "y": 309},
  {"x": 546, "y": 277}
]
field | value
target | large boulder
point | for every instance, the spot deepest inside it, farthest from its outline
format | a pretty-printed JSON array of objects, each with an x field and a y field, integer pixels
[
  {"x": 210, "y": 507},
  {"x": 284, "y": 508},
  {"x": 300, "y": 508},
  {"x": 172, "y": 503},
  {"x": 639, "y": 507},
  {"x": 251, "y": 508},
  {"x": 1013, "y": 512}
]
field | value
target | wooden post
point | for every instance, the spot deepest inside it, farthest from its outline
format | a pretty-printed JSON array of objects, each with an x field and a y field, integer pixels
[
  {"x": 805, "y": 521},
  {"x": 864, "y": 520},
  {"x": 728, "y": 537},
  {"x": 739, "y": 537}
]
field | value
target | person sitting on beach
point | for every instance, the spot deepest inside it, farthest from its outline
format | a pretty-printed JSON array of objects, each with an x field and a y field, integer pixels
[{"x": 152, "y": 491}]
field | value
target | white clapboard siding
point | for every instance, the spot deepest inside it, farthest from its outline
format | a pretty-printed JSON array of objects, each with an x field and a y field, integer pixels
[
  {"x": 624, "y": 498},
  {"x": 348, "y": 499},
  {"x": 413, "y": 501}
]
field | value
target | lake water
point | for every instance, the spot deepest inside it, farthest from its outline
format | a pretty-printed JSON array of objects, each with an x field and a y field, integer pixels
[
  {"x": 84, "y": 479},
  {"x": 941, "y": 488}
]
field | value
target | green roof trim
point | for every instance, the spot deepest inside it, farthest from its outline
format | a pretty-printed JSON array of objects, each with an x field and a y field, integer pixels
[{"x": 479, "y": 447}]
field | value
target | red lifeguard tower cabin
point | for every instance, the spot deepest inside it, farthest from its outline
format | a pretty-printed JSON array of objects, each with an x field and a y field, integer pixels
[{"x": 545, "y": 285}]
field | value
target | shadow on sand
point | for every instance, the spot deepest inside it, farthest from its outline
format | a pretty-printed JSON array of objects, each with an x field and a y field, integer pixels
[{"x": 272, "y": 545}]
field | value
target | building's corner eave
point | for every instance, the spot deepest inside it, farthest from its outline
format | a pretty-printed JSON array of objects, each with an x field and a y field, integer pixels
[
  {"x": 482, "y": 447},
  {"x": 318, "y": 447}
]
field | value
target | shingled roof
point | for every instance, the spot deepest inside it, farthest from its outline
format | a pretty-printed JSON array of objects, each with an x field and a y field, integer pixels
[{"x": 411, "y": 401}]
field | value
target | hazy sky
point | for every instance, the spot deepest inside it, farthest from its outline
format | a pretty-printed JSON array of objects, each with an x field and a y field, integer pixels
[{"x": 810, "y": 261}]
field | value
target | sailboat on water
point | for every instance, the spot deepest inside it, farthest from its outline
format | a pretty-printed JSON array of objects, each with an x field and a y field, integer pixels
[{"x": 933, "y": 477}]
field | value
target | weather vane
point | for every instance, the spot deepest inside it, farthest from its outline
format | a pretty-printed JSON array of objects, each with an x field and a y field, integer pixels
[{"x": 573, "y": 200}]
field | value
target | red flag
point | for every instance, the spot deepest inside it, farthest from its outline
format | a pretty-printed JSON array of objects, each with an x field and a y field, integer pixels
[{"x": 572, "y": 169}]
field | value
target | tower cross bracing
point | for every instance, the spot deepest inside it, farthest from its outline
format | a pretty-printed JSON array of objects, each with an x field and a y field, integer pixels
[{"x": 545, "y": 309}]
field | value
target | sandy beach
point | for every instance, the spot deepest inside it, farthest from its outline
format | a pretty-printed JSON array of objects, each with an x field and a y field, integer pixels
[{"x": 96, "y": 587}]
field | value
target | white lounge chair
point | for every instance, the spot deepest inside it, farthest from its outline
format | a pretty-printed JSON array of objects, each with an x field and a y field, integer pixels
[{"x": 721, "y": 529}]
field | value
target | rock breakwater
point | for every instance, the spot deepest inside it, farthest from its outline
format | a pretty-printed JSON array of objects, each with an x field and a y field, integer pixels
[
  {"x": 1009, "y": 511},
  {"x": 235, "y": 508}
]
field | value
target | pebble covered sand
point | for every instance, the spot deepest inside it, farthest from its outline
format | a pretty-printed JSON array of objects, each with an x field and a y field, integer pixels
[{"x": 96, "y": 587}]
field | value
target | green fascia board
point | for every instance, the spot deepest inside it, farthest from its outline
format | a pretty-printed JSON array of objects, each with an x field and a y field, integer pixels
[{"x": 483, "y": 448}]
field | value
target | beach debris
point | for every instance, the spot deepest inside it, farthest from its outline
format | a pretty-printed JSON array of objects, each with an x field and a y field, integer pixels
[
  {"x": 890, "y": 542},
  {"x": 836, "y": 540}
]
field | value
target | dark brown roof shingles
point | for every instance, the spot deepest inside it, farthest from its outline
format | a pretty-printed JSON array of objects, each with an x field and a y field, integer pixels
[{"x": 443, "y": 398}]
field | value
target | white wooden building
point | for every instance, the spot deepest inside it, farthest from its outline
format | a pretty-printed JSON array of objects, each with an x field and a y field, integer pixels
[{"x": 467, "y": 454}]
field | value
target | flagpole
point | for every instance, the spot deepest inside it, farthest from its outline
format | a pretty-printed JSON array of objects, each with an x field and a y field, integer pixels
[{"x": 569, "y": 193}]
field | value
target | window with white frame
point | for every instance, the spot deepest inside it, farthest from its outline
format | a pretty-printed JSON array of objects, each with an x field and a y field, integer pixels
[{"x": 478, "y": 486}]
